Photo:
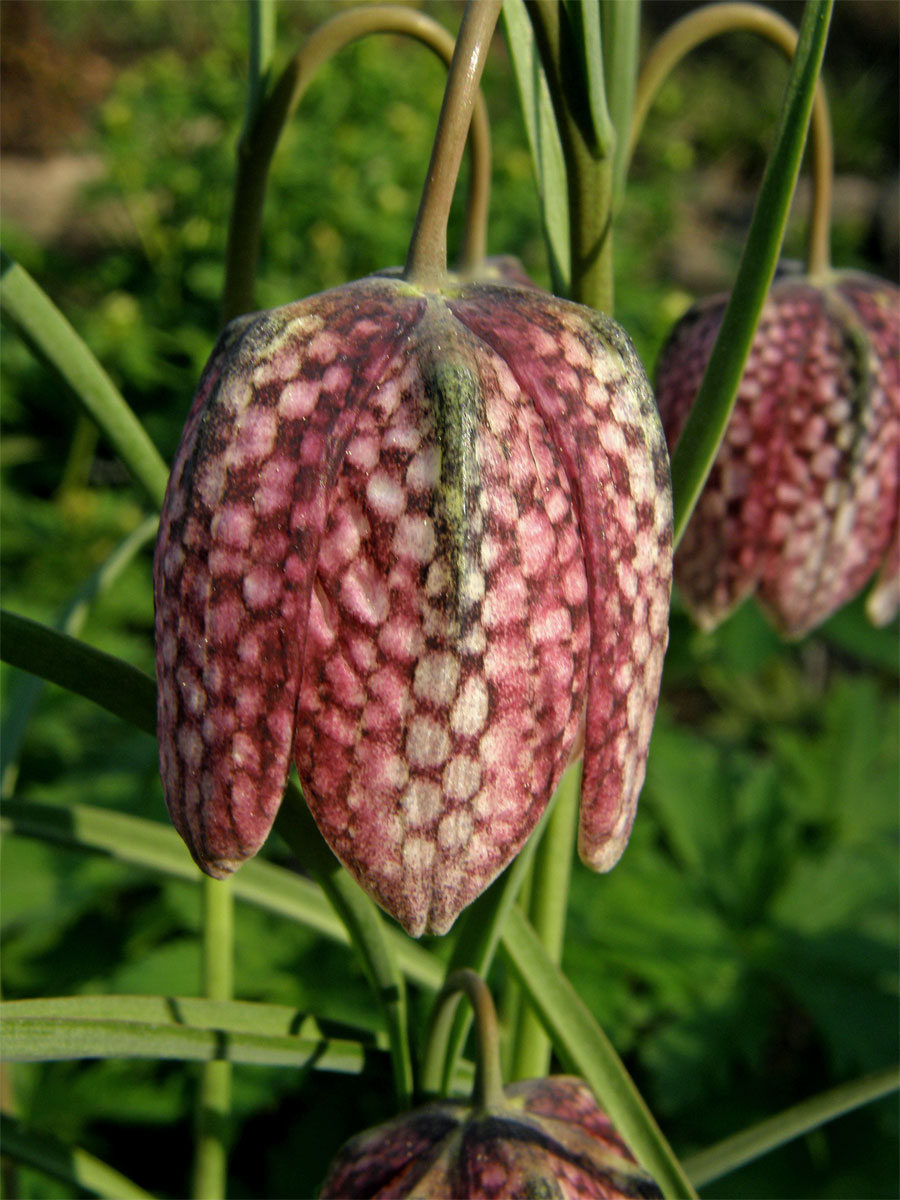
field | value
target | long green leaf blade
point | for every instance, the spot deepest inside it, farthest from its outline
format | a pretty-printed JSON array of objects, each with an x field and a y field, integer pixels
[
  {"x": 185, "y": 1012},
  {"x": 752, "y": 1143},
  {"x": 115, "y": 685},
  {"x": 584, "y": 1049},
  {"x": 699, "y": 441},
  {"x": 44, "y": 327},
  {"x": 543, "y": 139},
  {"x": 157, "y": 847},
  {"x": 37, "y": 1039},
  {"x": 70, "y": 1164}
]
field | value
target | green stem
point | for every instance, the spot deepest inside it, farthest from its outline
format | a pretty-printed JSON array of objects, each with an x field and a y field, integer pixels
[
  {"x": 365, "y": 926},
  {"x": 488, "y": 1089},
  {"x": 214, "y": 1100},
  {"x": 261, "y": 51},
  {"x": 547, "y": 913},
  {"x": 752, "y": 1143},
  {"x": 699, "y": 441},
  {"x": 588, "y": 152},
  {"x": 712, "y": 21},
  {"x": 55, "y": 341},
  {"x": 260, "y": 140},
  {"x": 426, "y": 260}
]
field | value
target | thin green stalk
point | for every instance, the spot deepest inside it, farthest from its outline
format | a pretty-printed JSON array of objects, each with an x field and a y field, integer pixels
[
  {"x": 768, "y": 1135},
  {"x": 426, "y": 260},
  {"x": 583, "y": 1048},
  {"x": 260, "y": 140},
  {"x": 713, "y": 20},
  {"x": 69, "y": 1164},
  {"x": 261, "y": 50},
  {"x": 210, "y": 1169},
  {"x": 51, "y": 336},
  {"x": 488, "y": 1089},
  {"x": 365, "y": 925},
  {"x": 699, "y": 441},
  {"x": 547, "y": 912}
]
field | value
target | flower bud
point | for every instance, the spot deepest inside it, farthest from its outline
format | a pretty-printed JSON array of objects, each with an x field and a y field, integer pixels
[{"x": 549, "y": 1139}]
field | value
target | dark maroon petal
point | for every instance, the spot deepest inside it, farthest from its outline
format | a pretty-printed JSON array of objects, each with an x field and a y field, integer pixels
[
  {"x": 236, "y": 553},
  {"x": 542, "y": 1141},
  {"x": 581, "y": 374}
]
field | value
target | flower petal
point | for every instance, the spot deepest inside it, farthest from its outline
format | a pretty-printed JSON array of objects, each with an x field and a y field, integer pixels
[
  {"x": 446, "y": 663},
  {"x": 244, "y": 512},
  {"x": 585, "y": 381}
]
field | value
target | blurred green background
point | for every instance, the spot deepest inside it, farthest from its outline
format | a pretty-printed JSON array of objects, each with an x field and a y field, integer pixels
[{"x": 744, "y": 954}]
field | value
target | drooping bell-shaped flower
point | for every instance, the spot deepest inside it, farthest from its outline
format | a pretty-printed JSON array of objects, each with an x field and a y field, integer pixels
[
  {"x": 802, "y": 506},
  {"x": 418, "y": 541},
  {"x": 549, "y": 1138}
]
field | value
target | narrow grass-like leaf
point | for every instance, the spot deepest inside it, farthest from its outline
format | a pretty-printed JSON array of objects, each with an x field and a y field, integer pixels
[
  {"x": 36, "y": 1039},
  {"x": 106, "y": 680},
  {"x": 183, "y": 1012},
  {"x": 157, "y": 847},
  {"x": 543, "y": 139},
  {"x": 760, "y": 1139},
  {"x": 51, "y": 336},
  {"x": 699, "y": 441},
  {"x": 69, "y": 1164},
  {"x": 584, "y": 1049},
  {"x": 584, "y": 20},
  {"x": 620, "y": 23},
  {"x": 365, "y": 925},
  {"x": 25, "y": 692}
]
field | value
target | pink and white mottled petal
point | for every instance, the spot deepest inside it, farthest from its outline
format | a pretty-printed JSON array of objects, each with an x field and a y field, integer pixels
[
  {"x": 236, "y": 558},
  {"x": 605, "y": 429}
]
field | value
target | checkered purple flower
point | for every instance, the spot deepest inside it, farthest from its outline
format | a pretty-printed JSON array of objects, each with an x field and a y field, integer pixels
[{"x": 419, "y": 544}]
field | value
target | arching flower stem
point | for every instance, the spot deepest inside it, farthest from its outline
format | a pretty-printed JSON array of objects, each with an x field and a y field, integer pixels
[
  {"x": 703, "y": 24},
  {"x": 488, "y": 1089},
  {"x": 426, "y": 261},
  {"x": 263, "y": 132}
]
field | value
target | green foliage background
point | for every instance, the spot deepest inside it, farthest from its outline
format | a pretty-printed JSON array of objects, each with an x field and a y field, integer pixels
[{"x": 744, "y": 954}]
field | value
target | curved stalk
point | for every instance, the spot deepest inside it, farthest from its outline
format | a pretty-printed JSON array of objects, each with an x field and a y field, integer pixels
[
  {"x": 260, "y": 140},
  {"x": 709, "y": 22},
  {"x": 488, "y": 1089},
  {"x": 426, "y": 261}
]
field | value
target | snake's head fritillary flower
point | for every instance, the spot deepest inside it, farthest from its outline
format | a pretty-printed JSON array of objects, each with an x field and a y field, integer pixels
[
  {"x": 549, "y": 1139},
  {"x": 419, "y": 543},
  {"x": 802, "y": 505}
]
